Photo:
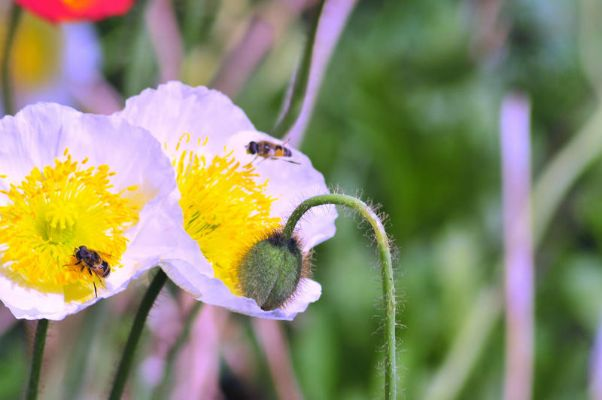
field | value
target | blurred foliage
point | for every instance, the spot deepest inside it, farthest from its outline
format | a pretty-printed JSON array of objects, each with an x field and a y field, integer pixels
[
  {"x": 14, "y": 363},
  {"x": 407, "y": 117}
]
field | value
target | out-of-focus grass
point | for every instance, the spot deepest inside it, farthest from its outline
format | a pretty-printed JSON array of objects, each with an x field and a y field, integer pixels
[{"x": 13, "y": 363}]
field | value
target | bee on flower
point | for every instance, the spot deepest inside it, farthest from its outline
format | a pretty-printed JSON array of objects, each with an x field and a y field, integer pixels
[
  {"x": 270, "y": 151},
  {"x": 233, "y": 209},
  {"x": 91, "y": 261},
  {"x": 80, "y": 216}
]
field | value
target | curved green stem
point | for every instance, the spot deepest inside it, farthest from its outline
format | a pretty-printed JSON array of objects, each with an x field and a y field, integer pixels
[
  {"x": 134, "y": 337},
  {"x": 36, "y": 361},
  {"x": 386, "y": 268},
  {"x": 7, "y": 93},
  {"x": 299, "y": 84},
  {"x": 162, "y": 391}
]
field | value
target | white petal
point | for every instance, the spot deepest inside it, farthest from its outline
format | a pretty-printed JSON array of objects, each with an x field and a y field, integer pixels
[
  {"x": 28, "y": 303},
  {"x": 290, "y": 183},
  {"x": 210, "y": 290},
  {"x": 38, "y": 135},
  {"x": 174, "y": 109}
]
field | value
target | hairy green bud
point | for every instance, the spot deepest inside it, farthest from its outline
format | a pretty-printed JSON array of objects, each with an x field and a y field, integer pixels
[{"x": 270, "y": 272}]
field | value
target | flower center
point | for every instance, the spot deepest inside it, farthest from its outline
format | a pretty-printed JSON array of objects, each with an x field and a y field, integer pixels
[
  {"x": 225, "y": 210},
  {"x": 53, "y": 212}
]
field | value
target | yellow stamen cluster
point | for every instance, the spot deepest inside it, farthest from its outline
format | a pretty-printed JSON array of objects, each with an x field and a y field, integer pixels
[
  {"x": 52, "y": 212},
  {"x": 225, "y": 210}
]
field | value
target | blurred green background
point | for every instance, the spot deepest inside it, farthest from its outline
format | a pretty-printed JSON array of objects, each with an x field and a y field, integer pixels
[{"x": 407, "y": 117}]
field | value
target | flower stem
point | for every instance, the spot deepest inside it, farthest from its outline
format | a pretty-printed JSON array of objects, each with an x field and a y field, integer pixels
[
  {"x": 386, "y": 268},
  {"x": 300, "y": 82},
  {"x": 36, "y": 361},
  {"x": 333, "y": 19},
  {"x": 7, "y": 93},
  {"x": 162, "y": 391},
  {"x": 132, "y": 342}
]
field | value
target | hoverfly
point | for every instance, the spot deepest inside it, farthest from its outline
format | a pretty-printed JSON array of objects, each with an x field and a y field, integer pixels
[
  {"x": 91, "y": 261},
  {"x": 269, "y": 150}
]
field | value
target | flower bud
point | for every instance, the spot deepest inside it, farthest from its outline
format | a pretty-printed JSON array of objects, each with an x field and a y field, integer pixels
[{"x": 270, "y": 272}]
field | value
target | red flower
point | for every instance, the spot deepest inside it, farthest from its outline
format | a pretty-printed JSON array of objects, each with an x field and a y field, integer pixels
[{"x": 76, "y": 10}]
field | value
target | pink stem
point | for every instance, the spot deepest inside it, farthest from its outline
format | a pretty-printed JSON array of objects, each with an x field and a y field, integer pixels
[
  {"x": 98, "y": 96},
  {"x": 274, "y": 344},
  {"x": 267, "y": 25},
  {"x": 518, "y": 248},
  {"x": 595, "y": 385},
  {"x": 6, "y": 320},
  {"x": 166, "y": 39},
  {"x": 331, "y": 25},
  {"x": 198, "y": 371}
]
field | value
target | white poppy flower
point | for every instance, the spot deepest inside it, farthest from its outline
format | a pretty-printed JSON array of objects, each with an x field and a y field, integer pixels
[
  {"x": 70, "y": 180},
  {"x": 231, "y": 199}
]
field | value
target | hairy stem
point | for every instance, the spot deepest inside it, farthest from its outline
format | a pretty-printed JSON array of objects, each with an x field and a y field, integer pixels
[
  {"x": 130, "y": 347},
  {"x": 384, "y": 252},
  {"x": 36, "y": 361}
]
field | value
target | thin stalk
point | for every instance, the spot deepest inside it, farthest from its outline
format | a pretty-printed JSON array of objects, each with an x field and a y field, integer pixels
[
  {"x": 273, "y": 341},
  {"x": 130, "y": 347},
  {"x": 515, "y": 140},
  {"x": 162, "y": 391},
  {"x": 468, "y": 345},
  {"x": 557, "y": 178},
  {"x": 555, "y": 181},
  {"x": 140, "y": 66},
  {"x": 332, "y": 23},
  {"x": 292, "y": 110},
  {"x": 164, "y": 34},
  {"x": 595, "y": 368},
  {"x": 7, "y": 92},
  {"x": 81, "y": 359},
  {"x": 36, "y": 361},
  {"x": 268, "y": 23},
  {"x": 384, "y": 252}
]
